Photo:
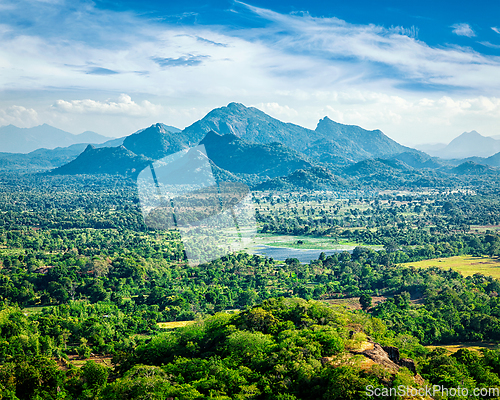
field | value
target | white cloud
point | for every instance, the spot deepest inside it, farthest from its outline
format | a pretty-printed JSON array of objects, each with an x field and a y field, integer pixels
[
  {"x": 315, "y": 52},
  {"x": 277, "y": 111},
  {"x": 496, "y": 29},
  {"x": 491, "y": 45},
  {"x": 18, "y": 115},
  {"x": 295, "y": 67},
  {"x": 123, "y": 106},
  {"x": 463, "y": 30}
]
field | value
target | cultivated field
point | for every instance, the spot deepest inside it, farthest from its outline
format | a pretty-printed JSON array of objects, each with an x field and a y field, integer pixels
[
  {"x": 174, "y": 324},
  {"x": 466, "y": 265},
  {"x": 477, "y": 346}
]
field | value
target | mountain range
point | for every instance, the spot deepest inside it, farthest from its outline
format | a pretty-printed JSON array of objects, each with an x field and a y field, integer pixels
[
  {"x": 329, "y": 142},
  {"x": 247, "y": 143},
  {"x": 47, "y": 159},
  {"x": 468, "y": 144},
  {"x": 26, "y": 140},
  {"x": 244, "y": 144}
]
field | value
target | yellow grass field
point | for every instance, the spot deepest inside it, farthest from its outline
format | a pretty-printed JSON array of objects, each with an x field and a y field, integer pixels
[
  {"x": 174, "y": 325},
  {"x": 466, "y": 265},
  {"x": 452, "y": 348}
]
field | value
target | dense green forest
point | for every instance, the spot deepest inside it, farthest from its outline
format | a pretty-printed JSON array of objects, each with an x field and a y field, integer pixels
[{"x": 83, "y": 278}]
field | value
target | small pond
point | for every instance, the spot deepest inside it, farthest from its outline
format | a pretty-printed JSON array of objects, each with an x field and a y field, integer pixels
[{"x": 304, "y": 256}]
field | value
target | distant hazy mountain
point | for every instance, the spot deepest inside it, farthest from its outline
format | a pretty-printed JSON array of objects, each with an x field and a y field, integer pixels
[
  {"x": 110, "y": 143},
  {"x": 44, "y": 159},
  {"x": 492, "y": 161},
  {"x": 468, "y": 144},
  {"x": 41, "y": 159},
  {"x": 430, "y": 148},
  {"x": 26, "y": 140}
]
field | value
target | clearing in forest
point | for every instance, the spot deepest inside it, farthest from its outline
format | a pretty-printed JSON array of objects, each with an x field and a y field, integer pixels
[
  {"x": 466, "y": 265},
  {"x": 477, "y": 346},
  {"x": 174, "y": 324}
]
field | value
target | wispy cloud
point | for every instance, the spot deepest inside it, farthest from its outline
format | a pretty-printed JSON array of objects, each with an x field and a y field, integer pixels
[
  {"x": 463, "y": 30},
  {"x": 203, "y": 40},
  {"x": 367, "y": 54},
  {"x": 410, "y": 32},
  {"x": 288, "y": 49},
  {"x": 497, "y": 30},
  {"x": 101, "y": 71},
  {"x": 294, "y": 66},
  {"x": 491, "y": 45},
  {"x": 183, "y": 61}
]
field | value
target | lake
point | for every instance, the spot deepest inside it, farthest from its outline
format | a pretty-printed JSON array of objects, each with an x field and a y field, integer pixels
[{"x": 304, "y": 256}]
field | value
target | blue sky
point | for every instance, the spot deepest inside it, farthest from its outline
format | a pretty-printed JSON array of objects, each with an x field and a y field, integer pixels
[{"x": 421, "y": 72}]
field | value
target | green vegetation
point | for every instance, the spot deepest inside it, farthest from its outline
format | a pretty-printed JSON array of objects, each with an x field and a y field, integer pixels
[{"x": 94, "y": 304}]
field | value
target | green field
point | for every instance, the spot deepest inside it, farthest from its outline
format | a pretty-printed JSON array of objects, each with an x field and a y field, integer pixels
[{"x": 466, "y": 265}]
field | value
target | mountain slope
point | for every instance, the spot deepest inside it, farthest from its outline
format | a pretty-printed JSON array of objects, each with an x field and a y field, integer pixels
[
  {"x": 418, "y": 160},
  {"x": 250, "y": 124},
  {"x": 157, "y": 141},
  {"x": 330, "y": 142},
  {"x": 105, "y": 160},
  {"x": 378, "y": 166},
  {"x": 239, "y": 156},
  {"x": 350, "y": 143},
  {"x": 26, "y": 140},
  {"x": 311, "y": 179},
  {"x": 471, "y": 168}
]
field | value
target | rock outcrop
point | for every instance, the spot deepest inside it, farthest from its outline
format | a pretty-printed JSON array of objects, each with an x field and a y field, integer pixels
[{"x": 387, "y": 356}]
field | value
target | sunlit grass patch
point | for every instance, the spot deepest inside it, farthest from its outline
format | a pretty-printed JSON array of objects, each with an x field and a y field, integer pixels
[
  {"x": 466, "y": 265},
  {"x": 174, "y": 324},
  {"x": 452, "y": 348}
]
